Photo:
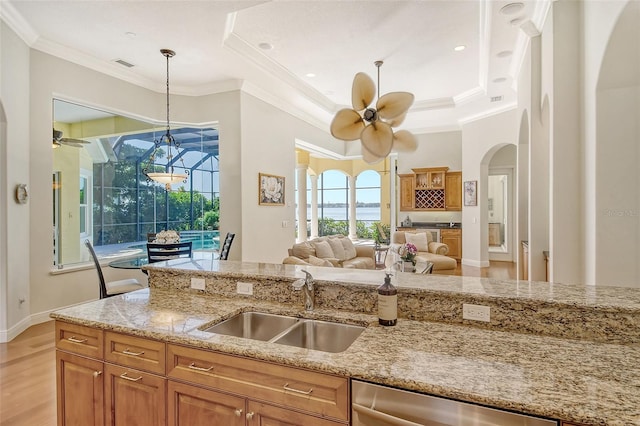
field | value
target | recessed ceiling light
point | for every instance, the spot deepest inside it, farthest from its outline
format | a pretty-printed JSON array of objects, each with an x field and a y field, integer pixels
[
  {"x": 512, "y": 8},
  {"x": 504, "y": 54},
  {"x": 130, "y": 34},
  {"x": 310, "y": 74},
  {"x": 265, "y": 46},
  {"x": 499, "y": 80},
  {"x": 460, "y": 48},
  {"x": 517, "y": 21}
]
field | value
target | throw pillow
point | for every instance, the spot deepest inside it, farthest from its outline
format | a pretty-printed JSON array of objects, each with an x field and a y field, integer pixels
[
  {"x": 323, "y": 249},
  {"x": 292, "y": 260},
  {"x": 349, "y": 248},
  {"x": 419, "y": 240},
  {"x": 337, "y": 248},
  {"x": 303, "y": 250},
  {"x": 319, "y": 262}
]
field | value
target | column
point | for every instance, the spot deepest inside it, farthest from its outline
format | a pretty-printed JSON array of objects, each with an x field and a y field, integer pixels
[
  {"x": 301, "y": 170},
  {"x": 352, "y": 208},
  {"x": 314, "y": 206}
]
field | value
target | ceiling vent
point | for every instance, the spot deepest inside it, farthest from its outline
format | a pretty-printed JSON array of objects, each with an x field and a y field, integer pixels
[
  {"x": 496, "y": 98},
  {"x": 123, "y": 63}
]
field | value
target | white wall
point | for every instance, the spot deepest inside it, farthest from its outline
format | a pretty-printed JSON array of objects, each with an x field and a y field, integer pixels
[
  {"x": 442, "y": 149},
  {"x": 14, "y": 267},
  {"x": 480, "y": 140}
]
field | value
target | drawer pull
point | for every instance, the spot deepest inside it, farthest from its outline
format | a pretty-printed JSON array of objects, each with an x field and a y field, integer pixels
[
  {"x": 74, "y": 339},
  {"x": 124, "y": 376},
  {"x": 193, "y": 367},
  {"x": 249, "y": 415},
  {"x": 238, "y": 412},
  {"x": 97, "y": 373},
  {"x": 287, "y": 388},
  {"x": 128, "y": 352}
]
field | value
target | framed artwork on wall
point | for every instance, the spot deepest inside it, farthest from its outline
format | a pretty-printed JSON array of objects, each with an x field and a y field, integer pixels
[
  {"x": 470, "y": 193},
  {"x": 270, "y": 190}
]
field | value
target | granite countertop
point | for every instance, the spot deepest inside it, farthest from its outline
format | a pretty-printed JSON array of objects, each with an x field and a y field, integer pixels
[{"x": 574, "y": 380}]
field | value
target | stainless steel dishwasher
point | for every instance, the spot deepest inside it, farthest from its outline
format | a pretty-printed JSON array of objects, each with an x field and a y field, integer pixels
[{"x": 375, "y": 405}]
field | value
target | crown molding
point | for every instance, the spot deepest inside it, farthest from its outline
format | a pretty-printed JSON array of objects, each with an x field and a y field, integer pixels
[
  {"x": 318, "y": 150},
  {"x": 488, "y": 113},
  {"x": 431, "y": 104},
  {"x": 16, "y": 22},
  {"x": 469, "y": 96}
]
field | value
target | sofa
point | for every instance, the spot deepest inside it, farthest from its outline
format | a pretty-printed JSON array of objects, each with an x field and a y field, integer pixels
[
  {"x": 335, "y": 251},
  {"x": 428, "y": 250}
]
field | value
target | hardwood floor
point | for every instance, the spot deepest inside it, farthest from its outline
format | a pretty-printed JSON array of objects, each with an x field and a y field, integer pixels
[
  {"x": 28, "y": 378},
  {"x": 498, "y": 270}
]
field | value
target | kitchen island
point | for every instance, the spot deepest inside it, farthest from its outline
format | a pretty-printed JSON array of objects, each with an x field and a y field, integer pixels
[{"x": 565, "y": 352}]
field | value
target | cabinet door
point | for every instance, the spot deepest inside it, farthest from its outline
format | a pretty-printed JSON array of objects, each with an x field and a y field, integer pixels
[
  {"x": 194, "y": 406},
  {"x": 437, "y": 180},
  {"x": 452, "y": 238},
  {"x": 406, "y": 192},
  {"x": 80, "y": 390},
  {"x": 259, "y": 414},
  {"x": 453, "y": 191},
  {"x": 134, "y": 398}
]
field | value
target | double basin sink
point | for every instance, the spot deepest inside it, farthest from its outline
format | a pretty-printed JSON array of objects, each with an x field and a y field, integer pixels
[{"x": 286, "y": 330}]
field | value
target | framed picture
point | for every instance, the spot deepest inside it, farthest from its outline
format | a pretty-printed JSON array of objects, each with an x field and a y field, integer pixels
[
  {"x": 270, "y": 190},
  {"x": 470, "y": 193}
]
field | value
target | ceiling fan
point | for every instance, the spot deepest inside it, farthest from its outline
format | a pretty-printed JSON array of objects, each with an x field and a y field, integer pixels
[
  {"x": 373, "y": 126},
  {"x": 59, "y": 140}
]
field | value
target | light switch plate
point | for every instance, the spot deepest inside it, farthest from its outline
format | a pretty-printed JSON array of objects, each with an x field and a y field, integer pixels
[
  {"x": 244, "y": 288},
  {"x": 197, "y": 283}
]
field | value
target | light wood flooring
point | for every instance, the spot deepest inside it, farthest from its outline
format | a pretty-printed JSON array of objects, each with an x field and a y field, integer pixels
[
  {"x": 28, "y": 378},
  {"x": 28, "y": 370}
]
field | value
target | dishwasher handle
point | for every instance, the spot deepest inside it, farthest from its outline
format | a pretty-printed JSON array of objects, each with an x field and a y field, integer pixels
[{"x": 375, "y": 418}]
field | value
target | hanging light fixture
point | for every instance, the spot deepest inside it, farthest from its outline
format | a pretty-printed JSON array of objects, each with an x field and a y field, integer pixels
[
  {"x": 169, "y": 176},
  {"x": 374, "y": 125}
]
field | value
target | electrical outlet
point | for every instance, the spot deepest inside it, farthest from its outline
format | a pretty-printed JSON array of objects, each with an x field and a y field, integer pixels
[
  {"x": 476, "y": 312},
  {"x": 197, "y": 283},
  {"x": 244, "y": 288}
]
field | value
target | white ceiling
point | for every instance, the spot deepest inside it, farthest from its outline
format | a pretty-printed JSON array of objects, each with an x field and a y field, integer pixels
[{"x": 218, "y": 49}]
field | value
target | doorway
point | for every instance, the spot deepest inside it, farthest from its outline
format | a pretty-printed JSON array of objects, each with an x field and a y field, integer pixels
[{"x": 500, "y": 214}]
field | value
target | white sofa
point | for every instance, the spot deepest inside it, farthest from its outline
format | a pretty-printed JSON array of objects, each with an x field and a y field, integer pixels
[
  {"x": 428, "y": 250},
  {"x": 332, "y": 251}
]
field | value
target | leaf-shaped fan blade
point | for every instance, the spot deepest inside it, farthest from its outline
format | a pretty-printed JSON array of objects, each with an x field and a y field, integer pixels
[
  {"x": 368, "y": 157},
  {"x": 377, "y": 138},
  {"x": 396, "y": 121},
  {"x": 404, "y": 141},
  {"x": 347, "y": 125},
  {"x": 394, "y": 104},
  {"x": 362, "y": 91},
  {"x": 73, "y": 142}
]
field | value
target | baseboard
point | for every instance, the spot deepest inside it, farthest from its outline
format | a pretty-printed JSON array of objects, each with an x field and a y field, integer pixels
[
  {"x": 11, "y": 333},
  {"x": 476, "y": 263},
  {"x": 33, "y": 319}
]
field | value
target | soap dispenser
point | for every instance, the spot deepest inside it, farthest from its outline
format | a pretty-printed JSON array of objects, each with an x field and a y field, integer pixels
[{"x": 387, "y": 302}]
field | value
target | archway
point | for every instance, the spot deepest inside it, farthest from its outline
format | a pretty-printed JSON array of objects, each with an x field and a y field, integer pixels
[
  {"x": 522, "y": 228},
  {"x": 3, "y": 221}
]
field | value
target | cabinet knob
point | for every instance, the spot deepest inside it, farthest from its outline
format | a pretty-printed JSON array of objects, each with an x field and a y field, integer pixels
[
  {"x": 249, "y": 415},
  {"x": 97, "y": 373},
  {"x": 238, "y": 412}
]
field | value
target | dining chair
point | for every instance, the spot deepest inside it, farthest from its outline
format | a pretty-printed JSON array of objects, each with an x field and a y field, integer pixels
[
  {"x": 157, "y": 252},
  {"x": 226, "y": 246},
  {"x": 112, "y": 288}
]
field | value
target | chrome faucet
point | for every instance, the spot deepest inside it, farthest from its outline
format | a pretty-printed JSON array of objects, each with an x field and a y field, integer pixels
[{"x": 306, "y": 285}]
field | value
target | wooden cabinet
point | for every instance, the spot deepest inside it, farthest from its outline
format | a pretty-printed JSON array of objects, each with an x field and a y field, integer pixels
[
  {"x": 315, "y": 393},
  {"x": 80, "y": 384},
  {"x": 133, "y": 397},
  {"x": 260, "y": 414},
  {"x": 428, "y": 189},
  {"x": 452, "y": 238},
  {"x": 406, "y": 192},
  {"x": 453, "y": 191},
  {"x": 135, "y": 352},
  {"x": 194, "y": 406}
]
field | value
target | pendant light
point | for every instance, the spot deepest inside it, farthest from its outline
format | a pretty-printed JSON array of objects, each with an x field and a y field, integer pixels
[{"x": 172, "y": 147}]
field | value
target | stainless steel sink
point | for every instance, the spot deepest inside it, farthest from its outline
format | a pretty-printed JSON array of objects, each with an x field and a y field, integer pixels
[
  {"x": 303, "y": 333},
  {"x": 254, "y": 325},
  {"x": 321, "y": 335}
]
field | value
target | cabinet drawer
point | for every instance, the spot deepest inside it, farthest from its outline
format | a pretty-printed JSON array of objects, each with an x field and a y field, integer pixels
[
  {"x": 318, "y": 393},
  {"x": 79, "y": 339},
  {"x": 135, "y": 352}
]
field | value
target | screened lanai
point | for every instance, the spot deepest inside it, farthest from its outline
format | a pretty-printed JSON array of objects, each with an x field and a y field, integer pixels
[{"x": 102, "y": 194}]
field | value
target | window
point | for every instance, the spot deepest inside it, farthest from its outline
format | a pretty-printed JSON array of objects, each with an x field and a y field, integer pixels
[{"x": 102, "y": 193}]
